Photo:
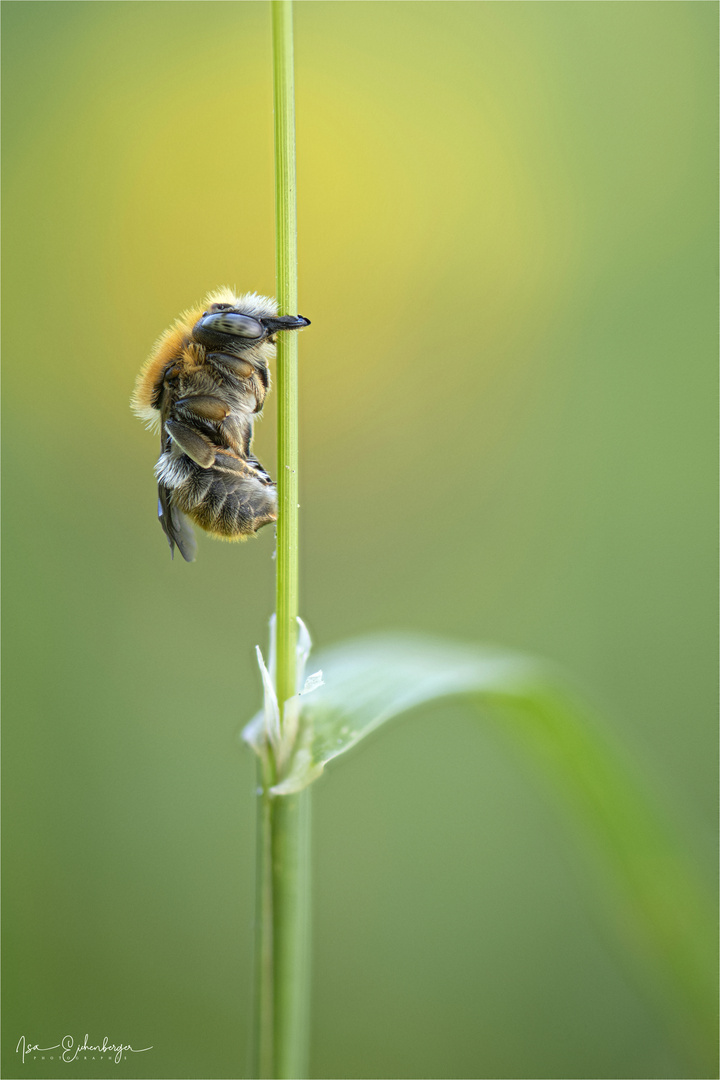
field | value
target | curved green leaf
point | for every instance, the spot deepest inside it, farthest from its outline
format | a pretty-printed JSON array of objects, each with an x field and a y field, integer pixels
[{"x": 660, "y": 909}]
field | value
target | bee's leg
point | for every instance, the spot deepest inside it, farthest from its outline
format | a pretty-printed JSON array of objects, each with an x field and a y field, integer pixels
[
  {"x": 252, "y": 469},
  {"x": 255, "y": 379},
  {"x": 192, "y": 443},
  {"x": 205, "y": 406},
  {"x": 238, "y": 432},
  {"x": 260, "y": 470},
  {"x": 233, "y": 365}
]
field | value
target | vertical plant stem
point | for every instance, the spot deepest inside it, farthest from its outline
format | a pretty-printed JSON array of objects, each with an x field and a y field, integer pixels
[
  {"x": 291, "y": 892},
  {"x": 282, "y": 945},
  {"x": 264, "y": 1034},
  {"x": 287, "y": 364}
]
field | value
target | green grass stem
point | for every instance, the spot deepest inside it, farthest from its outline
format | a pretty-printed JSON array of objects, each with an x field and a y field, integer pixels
[
  {"x": 291, "y": 922},
  {"x": 287, "y": 350},
  {"x": 283, "y": 905}
]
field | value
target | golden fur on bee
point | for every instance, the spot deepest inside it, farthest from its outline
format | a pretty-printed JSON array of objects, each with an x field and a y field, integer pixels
[{"x": 202, "y": 387}]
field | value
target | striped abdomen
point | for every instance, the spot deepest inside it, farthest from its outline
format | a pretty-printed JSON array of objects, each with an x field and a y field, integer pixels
[{"x": 232, "y": 498}]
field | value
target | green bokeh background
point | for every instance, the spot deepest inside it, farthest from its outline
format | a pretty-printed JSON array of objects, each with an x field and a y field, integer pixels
[{"x": 508, "y": 252}]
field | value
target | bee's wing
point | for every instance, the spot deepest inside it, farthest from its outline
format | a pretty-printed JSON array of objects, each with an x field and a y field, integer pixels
[
  {"x": 173, "y": 522},
  {"x": 176, "y": 526}
]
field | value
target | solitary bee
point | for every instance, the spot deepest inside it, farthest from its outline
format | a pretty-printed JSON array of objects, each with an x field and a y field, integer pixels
[{"x": 202, "y": 386}]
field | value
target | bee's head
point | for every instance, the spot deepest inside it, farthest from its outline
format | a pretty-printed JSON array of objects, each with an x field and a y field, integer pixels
[{"x": 237, "y": 326}]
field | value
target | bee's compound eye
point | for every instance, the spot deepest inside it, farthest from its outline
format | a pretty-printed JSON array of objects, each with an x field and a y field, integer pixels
[
  {"x": 247, "y": 327},
  {"x": 228, "y": 322}
]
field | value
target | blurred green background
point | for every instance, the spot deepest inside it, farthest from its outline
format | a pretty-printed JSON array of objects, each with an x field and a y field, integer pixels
[{"x": 508, "y": 252}]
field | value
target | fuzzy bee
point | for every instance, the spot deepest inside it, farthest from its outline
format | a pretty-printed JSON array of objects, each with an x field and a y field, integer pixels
[{"x": 202, "y": 387}]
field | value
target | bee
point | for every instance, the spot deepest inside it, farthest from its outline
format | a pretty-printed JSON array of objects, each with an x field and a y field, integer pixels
[{"x": 202, "y": 387}]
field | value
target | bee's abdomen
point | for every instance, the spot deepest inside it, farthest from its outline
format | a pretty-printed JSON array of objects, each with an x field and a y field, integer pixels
[{"x": 230, "y": 499}]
